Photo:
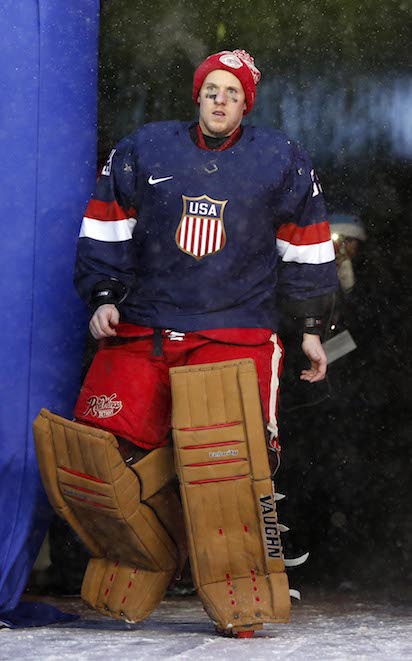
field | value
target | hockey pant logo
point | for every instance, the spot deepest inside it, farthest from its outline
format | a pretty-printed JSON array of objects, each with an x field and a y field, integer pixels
[{"x": 103, "y": 406}]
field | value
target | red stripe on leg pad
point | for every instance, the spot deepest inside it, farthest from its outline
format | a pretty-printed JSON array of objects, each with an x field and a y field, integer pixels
[
  {"x": 209, "y": 445},
  {"x": 85, "y": 475},
  {"x": 225, "y": 424},
  {"x": 219, "y": 479},
  {"x": 214, "y": 463},
  {"x": 84, "y": 490}
]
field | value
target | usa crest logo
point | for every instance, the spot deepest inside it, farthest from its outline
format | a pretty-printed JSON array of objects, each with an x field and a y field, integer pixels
[{"x": 201, "y": 230}]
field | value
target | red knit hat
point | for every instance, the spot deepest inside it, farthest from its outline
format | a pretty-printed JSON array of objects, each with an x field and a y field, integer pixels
[{"x": 238, "y": 62}]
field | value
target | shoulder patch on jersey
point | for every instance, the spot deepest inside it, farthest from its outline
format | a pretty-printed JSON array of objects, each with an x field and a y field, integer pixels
[{"x": 107, "y": 168}]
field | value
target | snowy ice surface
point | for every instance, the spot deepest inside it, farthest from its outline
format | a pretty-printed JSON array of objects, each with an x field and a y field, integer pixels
[{"x": 333, "y": 626}]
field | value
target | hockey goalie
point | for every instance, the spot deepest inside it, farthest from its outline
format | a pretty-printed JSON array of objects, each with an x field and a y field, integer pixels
[{"x": 194, "y": 234}]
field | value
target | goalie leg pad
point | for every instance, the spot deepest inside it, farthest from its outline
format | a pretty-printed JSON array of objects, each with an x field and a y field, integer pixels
[
  {"x": 227, "y": 493},
  {"x": 123, "y": 591},
  {"x": 125, "y": 516}
]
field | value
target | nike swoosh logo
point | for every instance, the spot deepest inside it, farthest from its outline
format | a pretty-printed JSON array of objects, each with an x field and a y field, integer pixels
[{"x": 153, "y": 181}]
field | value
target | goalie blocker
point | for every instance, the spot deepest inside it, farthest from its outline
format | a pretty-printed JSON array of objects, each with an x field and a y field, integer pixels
[{"x": 227, "y": 493}]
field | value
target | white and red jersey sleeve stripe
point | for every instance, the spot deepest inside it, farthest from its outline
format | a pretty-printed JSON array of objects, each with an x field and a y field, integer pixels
[
  {"x": 305, "y": 245},
  {"x": 107, "y": 221}
]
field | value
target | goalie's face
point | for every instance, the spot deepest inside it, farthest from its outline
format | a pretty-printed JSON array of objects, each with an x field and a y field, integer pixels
[{"x": 221, "y": 104}]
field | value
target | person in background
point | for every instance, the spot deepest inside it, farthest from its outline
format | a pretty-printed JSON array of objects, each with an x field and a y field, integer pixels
[{"x": 348, "y": 232}]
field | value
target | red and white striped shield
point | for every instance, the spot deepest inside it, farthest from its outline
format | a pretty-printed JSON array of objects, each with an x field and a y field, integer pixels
[{"x": 201, "y": 230}]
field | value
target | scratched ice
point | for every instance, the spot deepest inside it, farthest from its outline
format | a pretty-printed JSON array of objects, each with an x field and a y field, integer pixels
[{"x": 323, "y": 627}]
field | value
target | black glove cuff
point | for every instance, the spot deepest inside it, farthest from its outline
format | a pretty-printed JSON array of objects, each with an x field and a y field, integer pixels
[
  {"x": 106, "y": 292},
  {"x": 313, "y": 325}
]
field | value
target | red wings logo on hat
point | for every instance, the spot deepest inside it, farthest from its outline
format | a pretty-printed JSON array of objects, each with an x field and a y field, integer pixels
[
  {"x": 201, "y": 230},
  {"x": 231, "y": 60}
]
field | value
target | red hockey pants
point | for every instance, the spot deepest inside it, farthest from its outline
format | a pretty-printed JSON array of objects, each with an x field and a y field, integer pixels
[{"x": 127, "y": 389}]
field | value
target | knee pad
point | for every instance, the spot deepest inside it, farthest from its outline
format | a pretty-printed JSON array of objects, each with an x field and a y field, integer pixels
[
  {"x": 227, "y": 493},
  {"x": 129, "y": 518}
]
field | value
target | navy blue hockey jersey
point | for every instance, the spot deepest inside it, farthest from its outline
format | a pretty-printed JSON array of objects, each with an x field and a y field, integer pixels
[{"x": 206, "y": 239}]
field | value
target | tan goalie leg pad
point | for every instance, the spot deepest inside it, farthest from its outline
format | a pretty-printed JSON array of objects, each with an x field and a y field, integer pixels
[
  {"x": 123, "y": 591},
  {"x": 227, "y": 493},
  {"x": 89, "y": 485}
]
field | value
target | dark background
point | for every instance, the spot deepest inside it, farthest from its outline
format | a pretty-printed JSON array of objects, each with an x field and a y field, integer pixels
[{"x": 337, "y": 79}]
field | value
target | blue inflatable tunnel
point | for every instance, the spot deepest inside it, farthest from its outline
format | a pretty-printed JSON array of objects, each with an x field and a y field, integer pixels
[{"x": 48, "y": 73}]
